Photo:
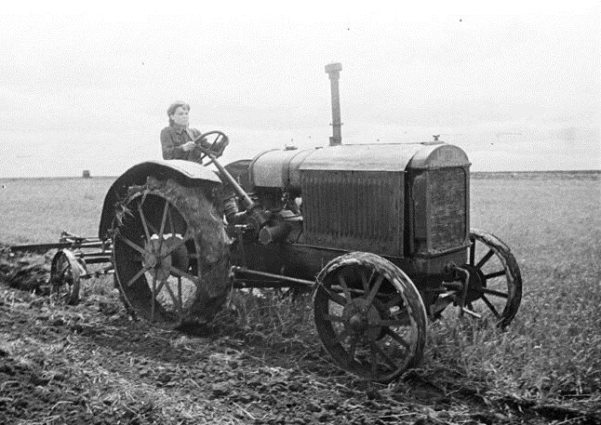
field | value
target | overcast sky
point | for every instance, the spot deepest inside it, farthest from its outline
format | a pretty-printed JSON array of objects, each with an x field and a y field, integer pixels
[{"x": 516, "y": 85}]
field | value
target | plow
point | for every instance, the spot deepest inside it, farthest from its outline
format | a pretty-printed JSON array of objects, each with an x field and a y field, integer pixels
[
  {"x": 70, "y": 263},
  {"x": 378, "y": 232}
]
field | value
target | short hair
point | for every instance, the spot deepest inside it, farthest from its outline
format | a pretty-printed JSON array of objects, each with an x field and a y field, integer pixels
[{"x": 177, "y": 104}]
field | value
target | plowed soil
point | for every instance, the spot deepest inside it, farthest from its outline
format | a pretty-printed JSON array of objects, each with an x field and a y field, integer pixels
[{"x": 92, "y": 364}]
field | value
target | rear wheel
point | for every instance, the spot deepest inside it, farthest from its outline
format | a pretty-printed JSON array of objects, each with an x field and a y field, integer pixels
[
  {"x": 369, "y": 316},
  {"x": 170, "y": 254}
]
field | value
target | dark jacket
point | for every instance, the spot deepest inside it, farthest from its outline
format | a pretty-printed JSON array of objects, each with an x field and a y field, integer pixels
[{"x": 172, "y": 138}]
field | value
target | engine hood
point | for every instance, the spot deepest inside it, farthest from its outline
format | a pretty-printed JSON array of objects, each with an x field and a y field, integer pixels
[{"x": 282, "y": 168}]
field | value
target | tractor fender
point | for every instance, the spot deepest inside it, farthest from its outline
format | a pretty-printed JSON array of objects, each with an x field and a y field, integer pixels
[{"x": 186, "y": 172}]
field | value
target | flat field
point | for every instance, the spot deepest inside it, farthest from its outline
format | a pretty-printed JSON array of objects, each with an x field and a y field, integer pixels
[
  {"x": 262, "y": 361},
  {"x": 38, "y": 210}
]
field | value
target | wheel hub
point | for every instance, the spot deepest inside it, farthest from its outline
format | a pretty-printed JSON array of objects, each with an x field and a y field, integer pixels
[
  {"x": 360, "y": 317},
  {"x": 159, "y": 257},
  {"x": 476, "y": 283}
]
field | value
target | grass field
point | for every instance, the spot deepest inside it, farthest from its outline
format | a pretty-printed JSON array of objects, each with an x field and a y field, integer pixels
[
  {"x": 37, "y": 210},
  {"x": 551, "y": 354},
  {"x": 553, "y": 348}
]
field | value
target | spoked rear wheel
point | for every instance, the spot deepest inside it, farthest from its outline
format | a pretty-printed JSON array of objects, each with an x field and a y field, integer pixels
[
  {"x": 369, "y": 316},
  {"x": 495, "y": 286},
  {"x": 170, "y": 254}
]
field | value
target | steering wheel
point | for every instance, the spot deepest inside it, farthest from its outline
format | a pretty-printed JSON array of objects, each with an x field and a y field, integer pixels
[{"x": 217, "y": 146}]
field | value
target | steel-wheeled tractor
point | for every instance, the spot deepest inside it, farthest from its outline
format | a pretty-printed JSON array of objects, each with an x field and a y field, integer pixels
[{"x": 379, "y": 232}]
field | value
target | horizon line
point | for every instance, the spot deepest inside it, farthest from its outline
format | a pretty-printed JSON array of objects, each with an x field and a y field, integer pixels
[{"x": 588, "y": 171}]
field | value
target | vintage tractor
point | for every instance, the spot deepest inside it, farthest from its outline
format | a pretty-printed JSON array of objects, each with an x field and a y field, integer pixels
[{"x": 380, "y": 233}]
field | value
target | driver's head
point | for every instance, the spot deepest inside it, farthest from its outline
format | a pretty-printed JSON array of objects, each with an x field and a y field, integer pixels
[{"x": 178, "y": 113}]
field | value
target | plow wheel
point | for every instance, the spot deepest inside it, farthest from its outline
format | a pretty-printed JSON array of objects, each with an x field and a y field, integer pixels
[
  {"x": 170, "y": 254},
  {"x": 495, "y": 284},
  {"x": 369, "y": 316},
  {"x": 65, "y": 276}
]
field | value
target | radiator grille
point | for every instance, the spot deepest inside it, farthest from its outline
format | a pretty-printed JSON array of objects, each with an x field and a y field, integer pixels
[
  {"x": 355, "y": 211},
  {"x": 448, "y": 208}
]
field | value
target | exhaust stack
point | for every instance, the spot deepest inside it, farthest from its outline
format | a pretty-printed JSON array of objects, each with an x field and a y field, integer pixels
[{"x": 333, "y": 70}]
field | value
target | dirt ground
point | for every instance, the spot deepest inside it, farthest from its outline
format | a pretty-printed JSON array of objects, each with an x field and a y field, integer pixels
[{"x": 92, "y": 364}]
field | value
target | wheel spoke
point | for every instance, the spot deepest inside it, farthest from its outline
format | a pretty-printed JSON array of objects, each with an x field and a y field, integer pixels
[
  {"x": 387, "y": 359},
  {"x": 495, "y": 274},
  {"x": 144, "y": 195},
  {"x": 345, "y": 288},
  {"x": 182, "y": 273},
  {"x": 374, "y": 290},
  {"x": 490, "y": 306},
  {"x": 163, "y": 221},
  {"x": 484, "y": 259},
  {"x": 495, "y": 293},
  {"x": 337, "y": 298},
  {"x": 355, "y": 291},
  {"x": 160, "y": 287},
  {"x": 397, "y": 338},
  {"x": 152, "y": 228},
  {"x": 132, "y": 245},
  {"x": 366, "y": 281},
  {"x": 136, "y": 276},
  {"x": 176, "y": 303},
  {"x": 143, "y": 218},
  {"x": 171, "y": 225}
]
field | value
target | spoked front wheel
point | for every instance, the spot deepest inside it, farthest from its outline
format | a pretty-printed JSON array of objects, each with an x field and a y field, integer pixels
[
  {"x": 369, "y": 316},
  {"x": 495, "y": 281}
]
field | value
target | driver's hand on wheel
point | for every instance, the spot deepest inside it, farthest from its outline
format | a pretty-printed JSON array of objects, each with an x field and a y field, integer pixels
[{"x": 187, "y": 147}]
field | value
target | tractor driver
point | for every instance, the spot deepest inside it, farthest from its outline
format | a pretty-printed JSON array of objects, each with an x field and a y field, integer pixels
[{"x": 177, "y": 140}]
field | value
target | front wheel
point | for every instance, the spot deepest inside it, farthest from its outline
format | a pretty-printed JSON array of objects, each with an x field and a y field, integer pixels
[
  {"x": 369, "y": 316},
  {"x": 495, "y": 285}
]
